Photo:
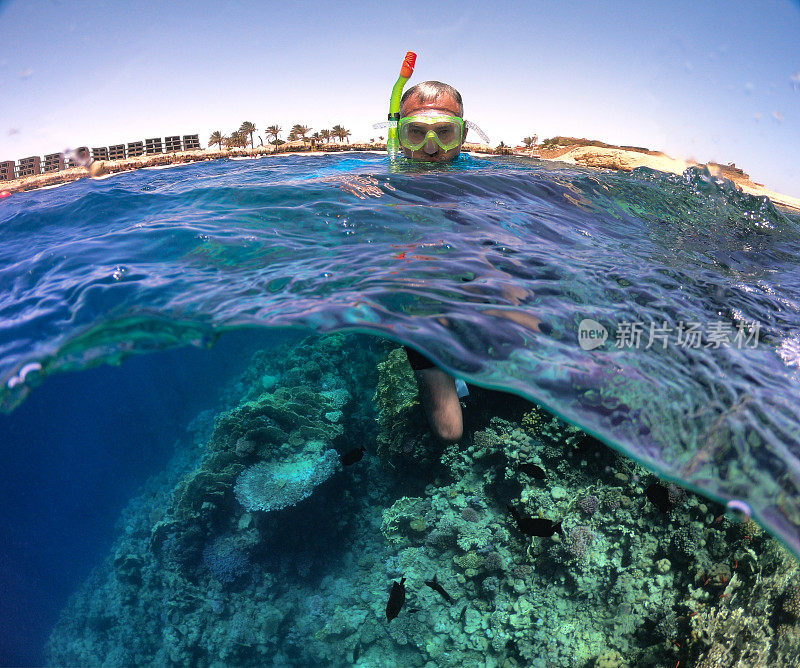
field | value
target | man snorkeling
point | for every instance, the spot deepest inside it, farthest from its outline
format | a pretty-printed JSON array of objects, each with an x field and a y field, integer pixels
[
  {"x": 431, "y": 125},
  {"x": 431, "y": 128}
]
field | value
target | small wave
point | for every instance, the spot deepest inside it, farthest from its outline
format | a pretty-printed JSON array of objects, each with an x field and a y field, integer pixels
[
  {"x": 103, "y": 177},
  {"x": 173, "y": 164}
]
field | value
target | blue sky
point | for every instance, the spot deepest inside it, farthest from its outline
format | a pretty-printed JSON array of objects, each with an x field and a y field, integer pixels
[{"x": 704, "y": 80}]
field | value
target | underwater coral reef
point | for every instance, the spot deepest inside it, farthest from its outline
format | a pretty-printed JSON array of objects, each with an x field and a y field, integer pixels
[{"x": 528, "y": 543}]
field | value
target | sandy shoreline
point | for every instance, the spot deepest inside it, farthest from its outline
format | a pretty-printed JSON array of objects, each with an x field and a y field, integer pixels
[{"x": 588, "y": 156}]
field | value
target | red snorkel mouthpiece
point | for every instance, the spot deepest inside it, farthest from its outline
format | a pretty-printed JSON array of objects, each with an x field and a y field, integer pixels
[{"x": 408, "y": 65}]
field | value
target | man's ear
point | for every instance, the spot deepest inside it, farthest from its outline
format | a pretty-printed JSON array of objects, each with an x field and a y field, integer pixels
[{"x": 466, "y": 131}]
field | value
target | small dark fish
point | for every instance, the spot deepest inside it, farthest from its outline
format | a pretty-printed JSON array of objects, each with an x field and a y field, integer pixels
[
  {"x": 434, "y": 584},
  {"x": 397, "y": 599},
  {"x": 357, "y": 652},
  {"x": 463, "y": 616},
  {"x": 535, "y": 526},
  {"x": 659, "y": 497},
  {"x": 352, "y": 456},
  {"x": 532, "y": 470}
]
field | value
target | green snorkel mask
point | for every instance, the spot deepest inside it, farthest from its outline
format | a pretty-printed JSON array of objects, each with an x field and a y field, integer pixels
[{"x": 446, "y": 131}]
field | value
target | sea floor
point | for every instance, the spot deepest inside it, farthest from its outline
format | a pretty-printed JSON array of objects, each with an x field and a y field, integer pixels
[{"x": 253, "y": 549}]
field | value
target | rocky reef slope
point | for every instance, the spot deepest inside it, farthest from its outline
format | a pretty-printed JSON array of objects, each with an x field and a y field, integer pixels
[{"x": 258, "y": 547}]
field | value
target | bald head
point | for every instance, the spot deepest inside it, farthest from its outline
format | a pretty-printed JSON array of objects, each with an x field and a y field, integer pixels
[{"x": 428, "y": 93}]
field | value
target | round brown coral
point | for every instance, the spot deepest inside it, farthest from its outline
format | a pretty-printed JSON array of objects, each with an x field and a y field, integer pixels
[
  {"x": 611, "y": 658},
  {"x": 469, "y": 514},
  {"x": 791, "y": 602}
]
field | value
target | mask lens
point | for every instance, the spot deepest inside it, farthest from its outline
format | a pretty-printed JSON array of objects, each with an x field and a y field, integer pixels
[
  {"x": 445, "y": 133},
  {"x": 415, "y": 132}
]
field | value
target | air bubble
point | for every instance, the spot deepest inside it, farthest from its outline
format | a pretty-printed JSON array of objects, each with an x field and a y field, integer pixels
[
  {"x": 20, "y": 378},
  {"x": 739, "y": 510}
]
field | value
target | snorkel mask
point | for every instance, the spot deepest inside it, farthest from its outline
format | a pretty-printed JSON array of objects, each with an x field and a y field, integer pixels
[
  {"x": 446, "y": 131},
  {"x": 412, "y": 132}
]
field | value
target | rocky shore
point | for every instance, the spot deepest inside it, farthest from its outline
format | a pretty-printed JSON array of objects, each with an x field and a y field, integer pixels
[{"x": 626, "y": 160}]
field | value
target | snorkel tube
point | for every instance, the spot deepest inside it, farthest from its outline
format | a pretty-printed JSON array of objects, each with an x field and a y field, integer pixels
[{"x": 392, "y": 142}]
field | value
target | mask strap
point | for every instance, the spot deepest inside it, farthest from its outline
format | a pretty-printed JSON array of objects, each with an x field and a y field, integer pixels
[{"x": 480, "y": 132}]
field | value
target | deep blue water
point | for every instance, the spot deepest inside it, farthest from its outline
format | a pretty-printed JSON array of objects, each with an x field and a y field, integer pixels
[
  {"x": 73, "y": 455},
  {"x": 465, "y": 261}
]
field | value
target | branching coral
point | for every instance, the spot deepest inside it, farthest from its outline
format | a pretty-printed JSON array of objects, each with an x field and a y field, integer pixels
[
  {"x": 549, "y": 429},
  {"x": 736, "y": 638}
]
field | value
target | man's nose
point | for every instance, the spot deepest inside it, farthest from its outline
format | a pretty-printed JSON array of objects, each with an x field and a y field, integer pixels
[{"x": 430, "y": 147}]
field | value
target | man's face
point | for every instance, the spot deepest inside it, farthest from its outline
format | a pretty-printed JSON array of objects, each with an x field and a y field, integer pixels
[{"x": 430, "y": 150}]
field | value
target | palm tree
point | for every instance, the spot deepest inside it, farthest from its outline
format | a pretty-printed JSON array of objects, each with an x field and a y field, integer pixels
[
  {"x": 337, "y": 132},
  {"x": 527, "y": 141},
  {"x": 326, "y": 135},
  {"x": 248, "y": 128},
  {"x": 274, "y": 131},
  {"x": 238, "y": 138},
  {"x": 346, "y": 135},
  {"x": 301, "y": 131},
  {"x": 216, "y": 138}
]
